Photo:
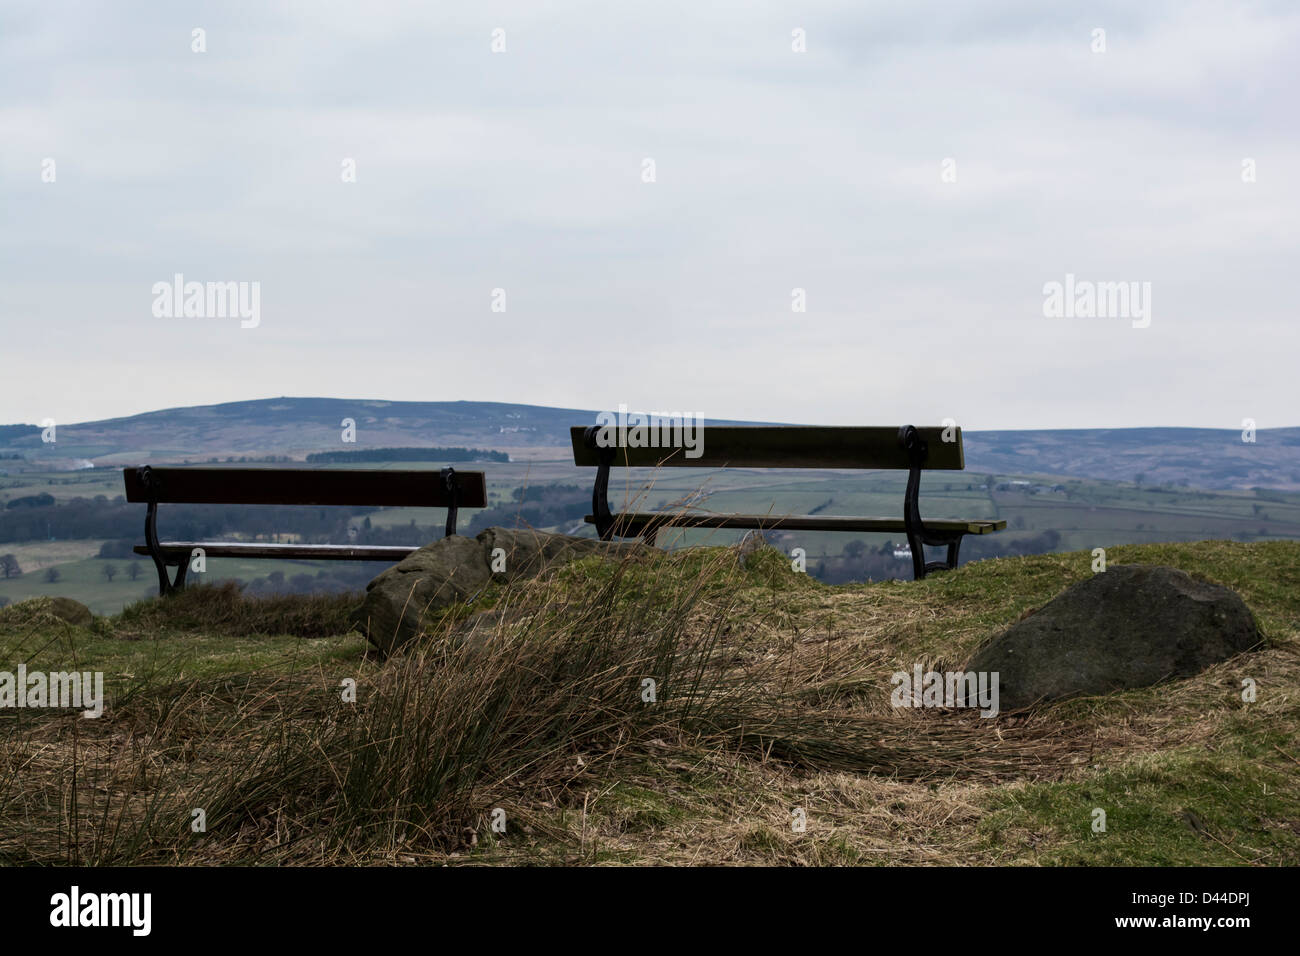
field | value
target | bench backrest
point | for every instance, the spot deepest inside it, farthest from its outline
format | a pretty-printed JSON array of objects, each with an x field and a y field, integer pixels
[
  {"x": 786, "y": 446},
  {"x": 302, "y": 486}
]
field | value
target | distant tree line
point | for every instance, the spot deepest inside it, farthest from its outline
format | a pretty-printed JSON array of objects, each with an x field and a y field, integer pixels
[
  {"x": 121, "y": 525},
  {"x": 408, "y": 454},
  {"x": 30, "y": 501},
  {"x": 862, "y": 562},
  {"x": 340, "y": 577},
  {"x": 119, "y": 548},
  {"x": 538, "y": 506},
  {"x": 101, "y": 517},
  {"x": 977, "y": 548},
  {"x": 96, "y": 517},
  {"x": 245, "y": 459}
]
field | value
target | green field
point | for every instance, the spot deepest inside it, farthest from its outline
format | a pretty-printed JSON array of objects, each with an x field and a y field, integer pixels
[{"x": 61, "y": 484}]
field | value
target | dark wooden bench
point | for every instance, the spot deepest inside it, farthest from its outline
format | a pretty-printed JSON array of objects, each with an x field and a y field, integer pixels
[
  {"x": 906, "y": 448},
  {"x": 448, "y": 489}
]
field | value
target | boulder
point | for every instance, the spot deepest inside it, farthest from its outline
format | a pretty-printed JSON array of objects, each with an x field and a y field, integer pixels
[
  {"x": 73, "y": 612},
  {"x": 439, "y": 574},
  {"x": 751, "y": 544},
  {"x": 526, "y": 553},
  {"x": 1128, "y": 626},
  {"x": 456, "y": 569}
]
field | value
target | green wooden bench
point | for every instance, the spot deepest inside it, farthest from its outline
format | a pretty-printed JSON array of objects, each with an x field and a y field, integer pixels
[
  {"x": 907, "y": 448},
  {"x": 448, "y": 489}
]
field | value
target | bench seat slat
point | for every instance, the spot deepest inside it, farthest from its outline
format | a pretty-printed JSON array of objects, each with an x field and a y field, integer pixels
[
  {"x": 786, "y": 446},
  {"x": 303, "y": 486},
  {"x": 313, "y": 552},
  {"x": 798, "y": 522}
]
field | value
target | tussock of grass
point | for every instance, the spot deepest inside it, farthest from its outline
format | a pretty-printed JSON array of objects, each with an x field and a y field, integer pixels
[
  {"x": 772, "y": 694},
  {"x": 297, "y": 771},
  {"x": 31, "y": 615},
  {"x": 222, "y": 609}
]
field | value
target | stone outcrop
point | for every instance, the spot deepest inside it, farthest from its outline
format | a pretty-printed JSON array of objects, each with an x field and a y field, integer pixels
[
  {"x": 1128, "y": 626},
  {"x": 456, "y": 569}
]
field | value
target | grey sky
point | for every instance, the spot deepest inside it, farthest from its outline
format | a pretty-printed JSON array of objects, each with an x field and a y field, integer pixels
[{"x": 523, "y": 170}]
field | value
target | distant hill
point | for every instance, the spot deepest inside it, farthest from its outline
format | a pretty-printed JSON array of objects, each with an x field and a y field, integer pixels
[
  {"x": 296, "y": 427},
  {"x": 1200, "y": 457}
]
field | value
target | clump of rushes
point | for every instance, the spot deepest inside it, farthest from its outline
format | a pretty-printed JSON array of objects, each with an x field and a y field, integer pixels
[
  {"x": 507, "y": 699},
  {"x": 435, "y": 738}
]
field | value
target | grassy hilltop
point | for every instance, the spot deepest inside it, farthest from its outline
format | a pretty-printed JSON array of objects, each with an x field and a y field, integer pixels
[{"x": 772, "y": 694}]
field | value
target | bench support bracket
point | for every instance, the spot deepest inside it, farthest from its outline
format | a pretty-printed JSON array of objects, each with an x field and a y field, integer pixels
[
  {"x": 600, "y": 492},
  {"x": 166, "y": 585},
  {"x": 449, "y": 482},
  {"x": 918, "y": 536}
]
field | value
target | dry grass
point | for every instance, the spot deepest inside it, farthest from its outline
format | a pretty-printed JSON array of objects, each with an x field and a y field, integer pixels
[
  {"x": 222, "y": 609},
  {"x": 772, "y": 695}
]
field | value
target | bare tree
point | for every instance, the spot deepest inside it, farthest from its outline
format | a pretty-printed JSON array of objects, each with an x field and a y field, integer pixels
[
  {"x": 133, "y": 570},
  {"x": 52, "y": 575},
  {"x": 9, "y": 566},
  {"x": 109, "y": 571}
]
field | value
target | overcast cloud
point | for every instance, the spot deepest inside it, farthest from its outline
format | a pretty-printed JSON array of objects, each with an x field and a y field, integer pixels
[{"x": 775, "y": 170}]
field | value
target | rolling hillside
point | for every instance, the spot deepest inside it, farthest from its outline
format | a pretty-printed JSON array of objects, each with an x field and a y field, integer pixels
[{"x": 295, "y": 427}]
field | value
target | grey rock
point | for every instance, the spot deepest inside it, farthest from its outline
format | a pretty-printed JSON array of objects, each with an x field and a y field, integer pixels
[
  {"x": 455, "y": 569},
  {"x": 74, "y": 612},
  {"x": 751, "y": 544},
  {"x": 1128, "y": 626},
  {"x": 527, "y": 553},
  {"x": 398, "y": 600}
]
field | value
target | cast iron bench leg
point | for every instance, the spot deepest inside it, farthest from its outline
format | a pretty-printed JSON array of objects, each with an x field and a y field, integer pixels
[
  {"x": 166, "y": 585},
  {"x": 917, "y": 534}
]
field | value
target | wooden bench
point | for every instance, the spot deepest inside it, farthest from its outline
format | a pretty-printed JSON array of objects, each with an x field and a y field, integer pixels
[
  {"x": 448, "y": 489},
  {"x": 906, "y": 448}
]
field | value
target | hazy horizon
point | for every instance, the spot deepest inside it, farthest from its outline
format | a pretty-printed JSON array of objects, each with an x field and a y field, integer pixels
[{"x": 490, "y": 401}]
